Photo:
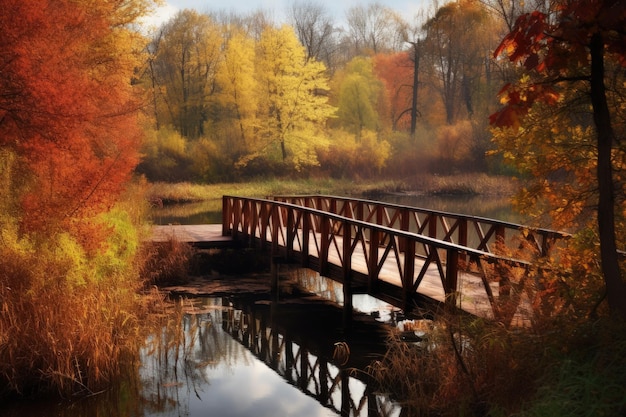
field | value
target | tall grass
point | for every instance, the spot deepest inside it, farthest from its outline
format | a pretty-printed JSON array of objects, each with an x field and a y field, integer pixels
[
  {"x": 71, "y": 320},
  {"x": 473, "y": 367}
]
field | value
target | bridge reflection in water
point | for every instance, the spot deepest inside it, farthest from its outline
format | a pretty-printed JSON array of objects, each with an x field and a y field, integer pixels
[
  {"x": 247, "y": 355},
  {"x": 305, "y": 355}
]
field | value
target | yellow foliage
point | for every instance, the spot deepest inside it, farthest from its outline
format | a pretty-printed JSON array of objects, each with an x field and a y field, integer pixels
[
  {"x": 454, "y": 141},
  {"x": 346, "y": 156}
]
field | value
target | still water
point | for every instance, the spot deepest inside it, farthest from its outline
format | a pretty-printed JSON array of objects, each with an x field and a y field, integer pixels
[{"x": 226, "y": 356}]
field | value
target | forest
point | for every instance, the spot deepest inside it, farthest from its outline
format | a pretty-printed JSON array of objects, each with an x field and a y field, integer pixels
[
  {"x": 235, "y": 97},
  {"x": 94, "y": 105}
]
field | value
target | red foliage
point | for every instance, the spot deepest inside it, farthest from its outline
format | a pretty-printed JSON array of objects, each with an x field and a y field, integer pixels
[
  {"x": 65, "y": 109},
  {"x": 396, "y": 73},
  {"x": 557, "y": 50}
]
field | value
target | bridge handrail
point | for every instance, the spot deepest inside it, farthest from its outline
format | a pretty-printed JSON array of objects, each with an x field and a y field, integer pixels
[
  {"x": 472, "y": 231},
  {"x": 290, "y": 227},
  {"x": 509, "y": 225},
  {"x": 437, "y": 243}
]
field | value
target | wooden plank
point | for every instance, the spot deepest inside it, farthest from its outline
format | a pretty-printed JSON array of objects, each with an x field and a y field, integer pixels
[{"x": 199, "y": 235}]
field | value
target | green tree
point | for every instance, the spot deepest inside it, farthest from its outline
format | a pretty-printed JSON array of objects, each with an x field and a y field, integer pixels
[
  {"x": 360, "y": 95},
  {"x": 574, "y": 62}
]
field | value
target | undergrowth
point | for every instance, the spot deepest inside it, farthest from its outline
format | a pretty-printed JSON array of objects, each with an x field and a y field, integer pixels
[
  {"x": 478, "y": 368},
  {"x": 71, "y": 320}
]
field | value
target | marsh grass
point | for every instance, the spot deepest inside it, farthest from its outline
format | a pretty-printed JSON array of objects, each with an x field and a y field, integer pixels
[
  {"x": 466, "y": 184},
  {"x": 167, "y": 262},
  {"x": 473, "y": 367},
  {"x": 71, "y": 321},
  {"x": 60, "y": 337}
]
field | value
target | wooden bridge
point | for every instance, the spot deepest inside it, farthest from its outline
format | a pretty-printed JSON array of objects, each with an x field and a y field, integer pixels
[
  {"x": 399, "y": 254},
  {"x": 403, "y": 255}
]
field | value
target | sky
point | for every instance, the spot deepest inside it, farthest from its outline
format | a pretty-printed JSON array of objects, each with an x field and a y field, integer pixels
[{"x": 337, "y": 8}]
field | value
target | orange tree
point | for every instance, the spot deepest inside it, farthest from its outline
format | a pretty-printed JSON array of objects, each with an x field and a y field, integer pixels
[
  {"x": 67, "y": 107},
  {"x": 564, "y": 118},
  {"x": 69, "y": 138}
]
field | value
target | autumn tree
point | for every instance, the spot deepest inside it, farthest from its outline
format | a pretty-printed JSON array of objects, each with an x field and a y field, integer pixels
[
  {"x": 69, "y": 140},
  {"x": 233, "y": 131},
  {"x": 185, "y": 54},
  {"x": 456, "y": 45},
  {"x": 67, "y": 109},
  {"x": 292, "y": 104},
  {"x": 360, "y": 96},
  {"x": 574, "y": 62},
  {"x": 397, "y": 74}
]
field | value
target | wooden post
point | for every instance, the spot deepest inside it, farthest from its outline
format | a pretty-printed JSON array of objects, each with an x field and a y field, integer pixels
[
  {"x": 452, "y": 276},
  {"x": 408, "y": 275},
  {"x": 323, "y": 381},
  {"x": 304, "y": 368},
  {"x": 254, "y": 224},
  {"x": 404, "y": 225},
  {"x": 226, "y": 216},
  {"x": 463, "y": 238},
  {"x": 372, "y": 268},
  {"x": 432, "y": 225},
  {"x": 359, "y": 210},
  {"x": 273, "y": 222},
  {"x": 306, "y": 229},
  {"x": 324, "y": 244},
  {"x": 290, "y": 233},
  {"x": 347, "y": 275},
  {"x": 345, "y": 392}
]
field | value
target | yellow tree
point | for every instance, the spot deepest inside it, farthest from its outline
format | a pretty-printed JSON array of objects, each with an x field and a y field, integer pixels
[
  {"x": 360, "y": 93},
  {"x": 237, "y": 85},
  {"x": 293, "y": 107}
]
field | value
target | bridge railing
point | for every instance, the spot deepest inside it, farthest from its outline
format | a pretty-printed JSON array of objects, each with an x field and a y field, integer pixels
[
  {"x": 333, "y": 244},
  {"x": 483, "y": 234}
]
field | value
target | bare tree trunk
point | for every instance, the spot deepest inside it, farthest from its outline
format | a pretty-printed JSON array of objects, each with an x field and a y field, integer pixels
[
  {"x": 416, "y": 67},
  {"x": 615, "y": 286}
]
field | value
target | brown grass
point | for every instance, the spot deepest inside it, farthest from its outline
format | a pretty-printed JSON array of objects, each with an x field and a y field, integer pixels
[
  {"x": 460, "y": 369},
  {"x": 167, "y": 262},
  {"x": 58, "y": 337}
]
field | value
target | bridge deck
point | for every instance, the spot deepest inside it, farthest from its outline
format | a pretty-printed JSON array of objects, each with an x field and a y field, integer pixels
[
  {"x": 198, "y": 235},
  {"x": 473, "y": 298}
]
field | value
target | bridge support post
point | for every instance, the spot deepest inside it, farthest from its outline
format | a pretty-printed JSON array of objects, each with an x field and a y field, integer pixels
[
  {"x": 452, "y": 277},
  {"x": 409, "y": 271},
  {"x": 347, "y": 276}
]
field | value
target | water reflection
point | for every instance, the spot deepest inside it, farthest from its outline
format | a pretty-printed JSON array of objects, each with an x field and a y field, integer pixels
[
  {"x": 198, "y": 369},
  {"x": 238, "y": 357}
]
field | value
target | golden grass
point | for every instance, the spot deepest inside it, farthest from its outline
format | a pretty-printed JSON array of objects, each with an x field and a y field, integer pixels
[
  {"x": 431, "y": 184},
  {"x": 71, "y": 322},
  {"x": 60, "y": 337},
  {"x": 167, "y": 262},
  {"x": 459, "y": 369}
]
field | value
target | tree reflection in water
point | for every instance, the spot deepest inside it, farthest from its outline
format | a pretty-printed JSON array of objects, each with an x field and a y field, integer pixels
[{"x": 193, "y": 365}]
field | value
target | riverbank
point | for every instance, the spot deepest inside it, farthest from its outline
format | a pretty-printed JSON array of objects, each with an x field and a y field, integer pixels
[{"x": 161, "y": 193}]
